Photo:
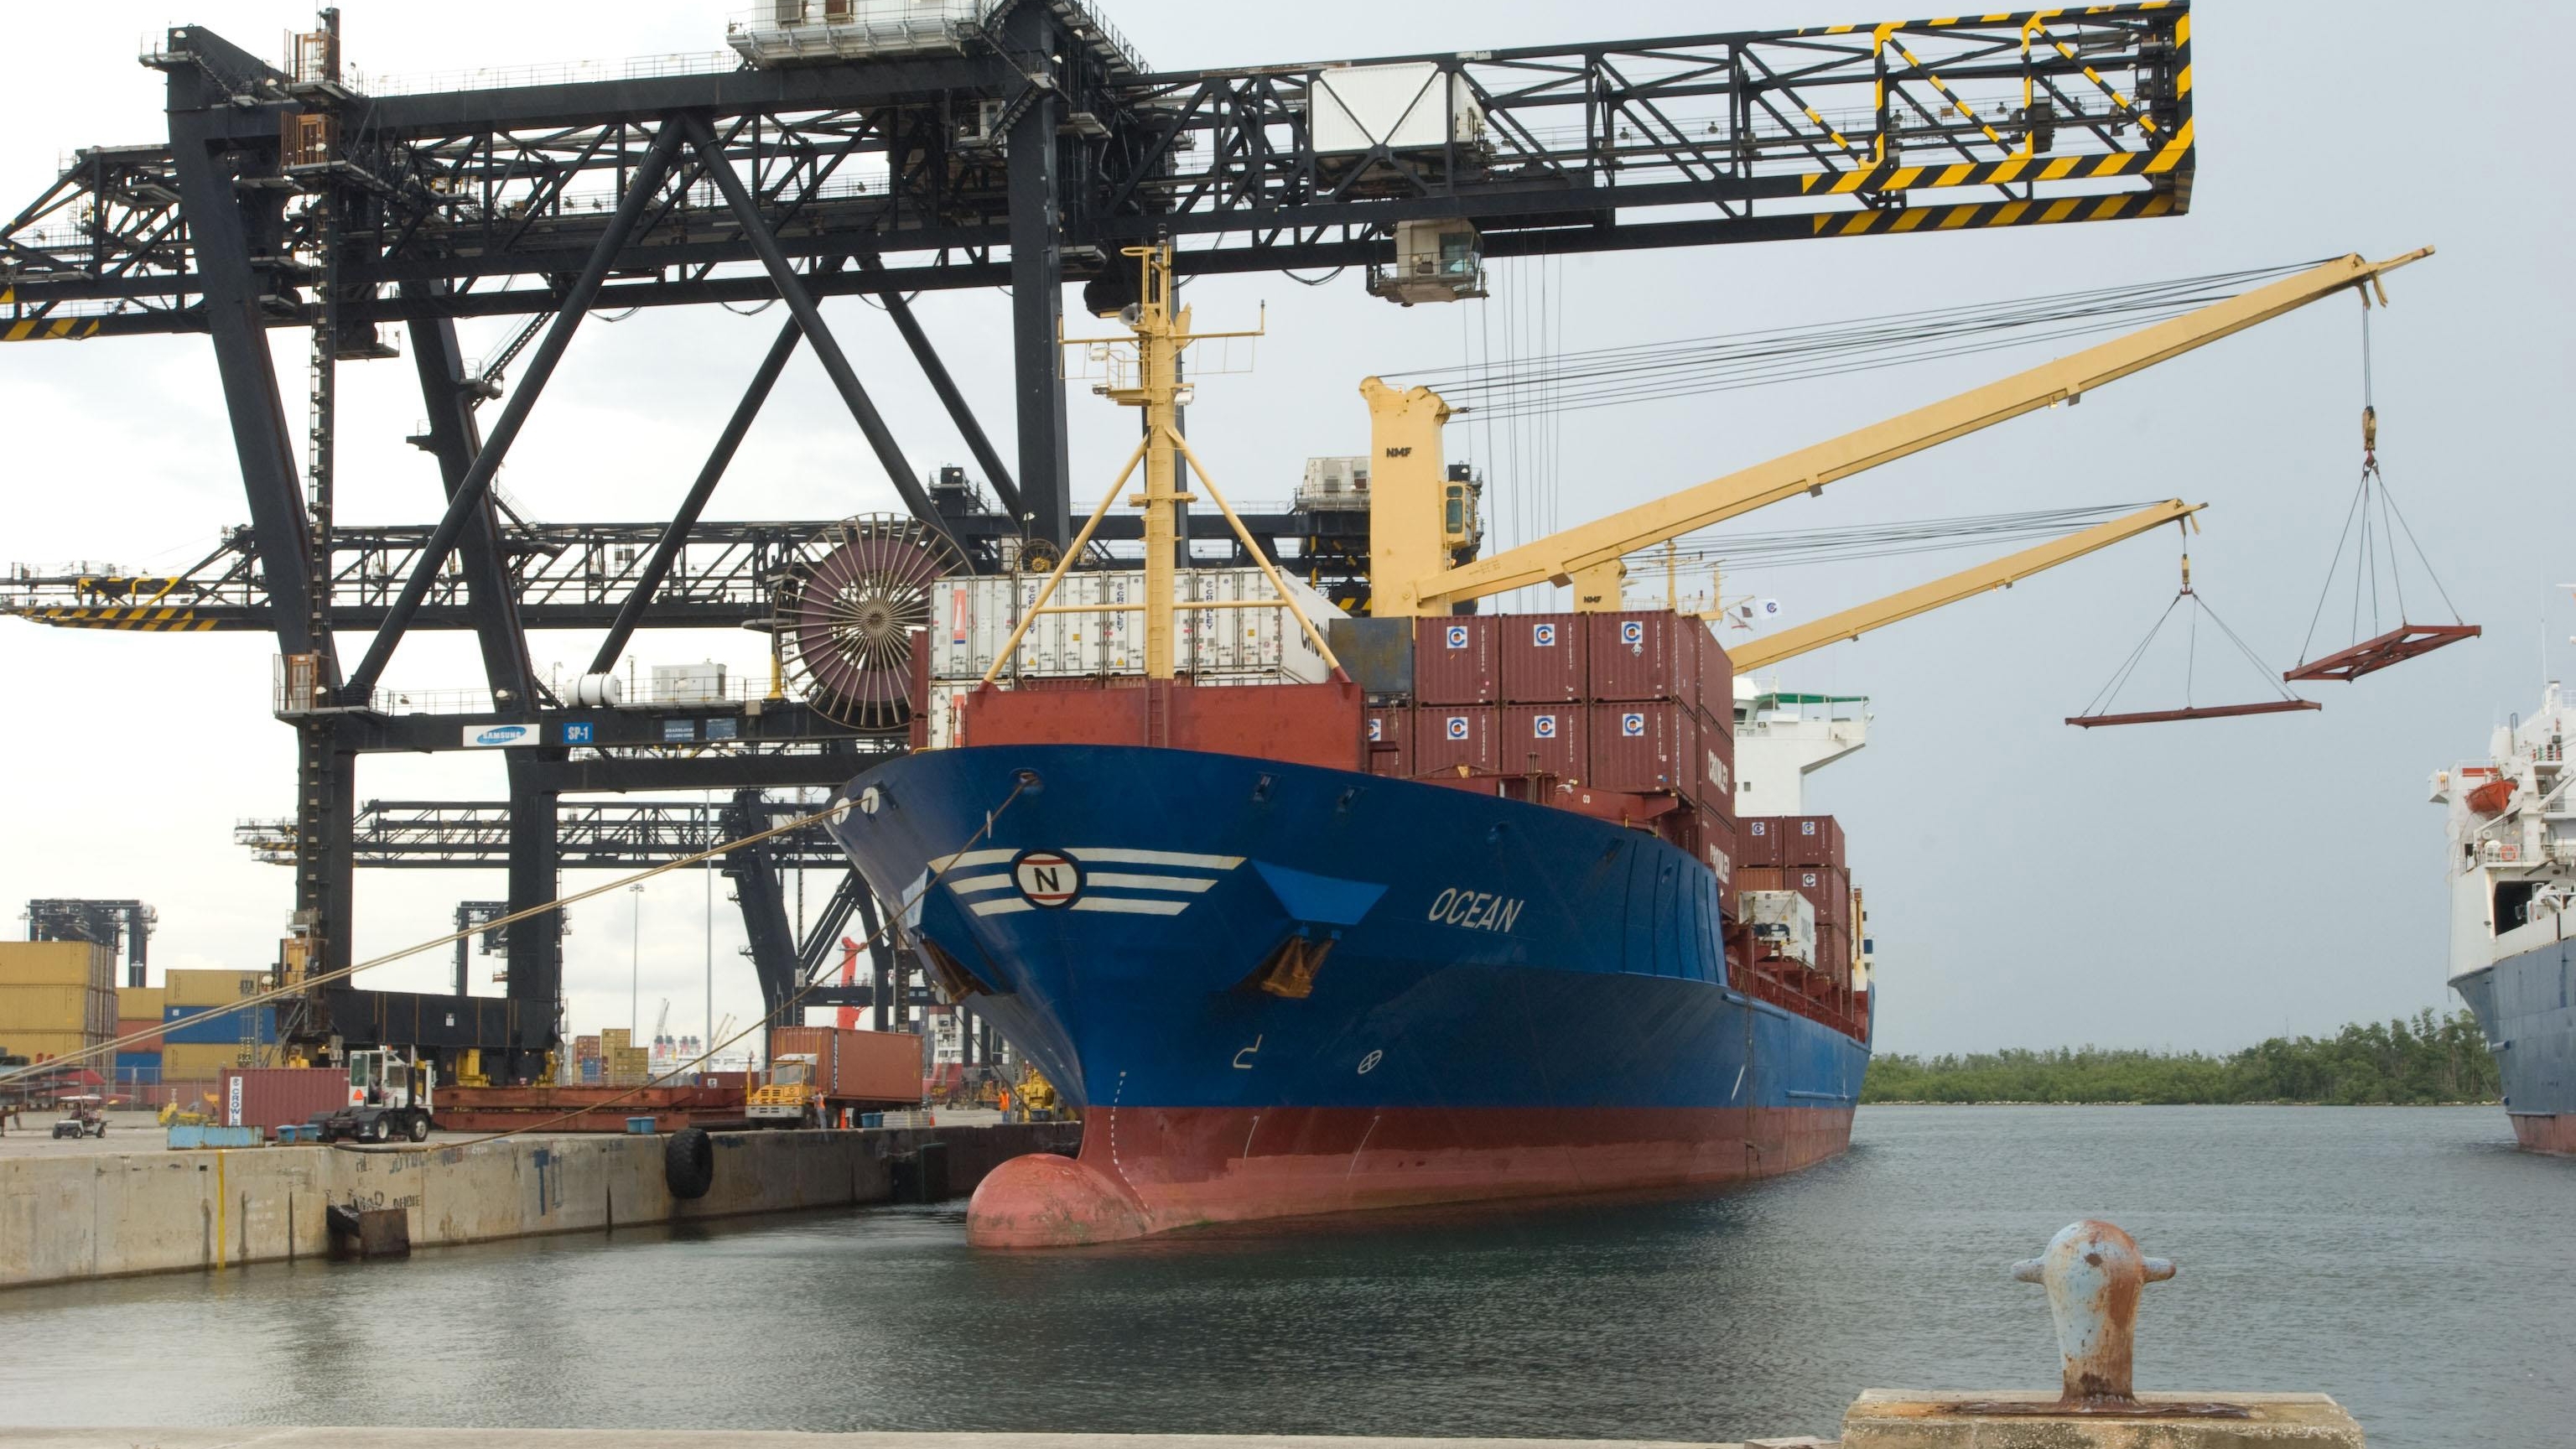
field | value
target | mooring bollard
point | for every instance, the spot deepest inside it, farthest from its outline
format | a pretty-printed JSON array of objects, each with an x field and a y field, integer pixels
[{"x": 2094, "y": 1273}]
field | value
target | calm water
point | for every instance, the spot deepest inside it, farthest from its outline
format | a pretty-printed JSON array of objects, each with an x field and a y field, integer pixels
[{"x": 2406, "y": 1261}]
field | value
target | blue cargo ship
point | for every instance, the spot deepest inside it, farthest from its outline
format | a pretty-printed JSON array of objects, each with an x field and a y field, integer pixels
[{"x": 1277, "y": 989}]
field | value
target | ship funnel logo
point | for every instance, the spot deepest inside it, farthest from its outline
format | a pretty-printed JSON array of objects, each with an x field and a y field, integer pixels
[{"x": 1046, "y": 878}]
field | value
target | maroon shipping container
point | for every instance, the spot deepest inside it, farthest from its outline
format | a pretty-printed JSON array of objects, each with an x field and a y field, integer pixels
[
  {"x": 1811, "y": 840},
  {"x": 1757, "y": 840},
  {"x": 1826, "y": 888},
  {"x": 1453, "y": 660},
  {"x": 1542, "y": 657},
  {"x": 272, "y": 1097},
  {"x": 1711, "y": 768},
  {"x": 1552, "y": 733},
  {"x": 1643, "y": 654},
  {"x": 1639, "y": 747},
  {"x": 1448, "y": 736},
  {"x": 1709, "y": 839},
  {"x": 1716, "y": 682},
  {"x": 1390, "y": 741},
  {"x": 856, "y": 1066}
]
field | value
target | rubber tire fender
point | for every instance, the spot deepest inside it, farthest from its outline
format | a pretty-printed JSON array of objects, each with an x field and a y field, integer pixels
[{"x": 689, "y": 1163}]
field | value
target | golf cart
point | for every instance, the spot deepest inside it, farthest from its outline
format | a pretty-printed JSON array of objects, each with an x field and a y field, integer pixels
[{"x": 83, "y": 1116}]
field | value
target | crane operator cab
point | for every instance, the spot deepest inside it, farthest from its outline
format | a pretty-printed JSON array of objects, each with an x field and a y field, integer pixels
[{"x": 391, "y": 1093}]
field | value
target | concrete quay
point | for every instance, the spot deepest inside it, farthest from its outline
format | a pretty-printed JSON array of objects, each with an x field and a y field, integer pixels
[
  {"x": 76, "y": 1215},
  {"x": 319, "y": 1438}
]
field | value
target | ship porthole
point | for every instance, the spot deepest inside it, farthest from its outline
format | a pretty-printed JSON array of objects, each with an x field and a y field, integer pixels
[{"x": 1369, "y": 1063}]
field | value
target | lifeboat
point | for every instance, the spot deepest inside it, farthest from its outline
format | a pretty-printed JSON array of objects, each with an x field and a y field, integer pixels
[{"x": 2491, "y": 797}]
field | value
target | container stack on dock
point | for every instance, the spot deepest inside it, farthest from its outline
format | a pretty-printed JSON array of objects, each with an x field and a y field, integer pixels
[
  {"x": 138, "y": 1014},
  {"x": 198, "y": 1052},
  {"x": 57, "y": 998},
  {"x": 589, "y": 1062},
  {"x": 626, "y": 1065}
]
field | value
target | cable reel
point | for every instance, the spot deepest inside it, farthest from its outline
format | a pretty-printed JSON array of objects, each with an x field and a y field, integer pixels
[
  {"x": 2372, "y": 527},
  {"x": 845, "y": 610},
  {"x": 2099, "y": 713}
]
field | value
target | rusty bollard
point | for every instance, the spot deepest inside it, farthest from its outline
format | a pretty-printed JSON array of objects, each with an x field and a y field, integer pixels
[{"x": 2093, "y": 1272}]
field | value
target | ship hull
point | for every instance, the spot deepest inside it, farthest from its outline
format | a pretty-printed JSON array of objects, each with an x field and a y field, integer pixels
[
  {"x": 2526, "y": 1003},
  {"x": 1504, "y": 1000}
]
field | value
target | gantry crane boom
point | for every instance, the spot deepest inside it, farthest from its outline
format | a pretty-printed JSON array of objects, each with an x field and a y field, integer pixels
[
  {"x": 1966, "y": 584},
  {"x": 1596, "y": 547}
]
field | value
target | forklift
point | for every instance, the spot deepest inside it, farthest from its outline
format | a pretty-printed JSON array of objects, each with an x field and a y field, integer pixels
[{"x": 391, "y": 1094}]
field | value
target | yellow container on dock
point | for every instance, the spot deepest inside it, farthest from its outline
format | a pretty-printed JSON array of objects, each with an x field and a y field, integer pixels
[
  {"x": 46, "y": 1008},
  {"x": 616, "y": 1039},
  {"x": 211, "y": 988},
  {"x": 182, "y": 1061},
  {"x": 139, "y": 1003},
  {"x": 57, "y": 963},
  {"x": 38, "y": 1045}
]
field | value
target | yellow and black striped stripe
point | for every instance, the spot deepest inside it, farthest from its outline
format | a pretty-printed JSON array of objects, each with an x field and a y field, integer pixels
[
  {"x": 2127, "y": 205},
  {"x": 143, "y": 618},
  {"x": 2001, "y": 17},
  {"x": 42, "y": 329},
  {"x": 2173, "y": 155}
]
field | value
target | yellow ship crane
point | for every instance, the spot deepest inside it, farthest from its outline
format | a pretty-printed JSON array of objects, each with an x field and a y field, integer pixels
[
  {"x": 1412, "y": 525},
  {"x": 2000, "y": 573}
]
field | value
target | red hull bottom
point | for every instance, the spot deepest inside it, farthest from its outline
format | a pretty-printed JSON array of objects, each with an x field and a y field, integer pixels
[
  {"x": 1148, "y": 1170},
  {"x": 2552, "y": 1133}
]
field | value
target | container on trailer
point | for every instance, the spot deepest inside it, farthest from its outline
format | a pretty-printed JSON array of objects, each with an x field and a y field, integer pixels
[
  {"x": 855, "y": 1066},
  {"x": 271, "y": 1097},
  {"x": 1542, "y": 657},
  {"x": 1390, "y": 740},
  {"x": 1454, "y": 660},
  {"x": 1546, "y": 739},
  {"x": 1448, "y": 736},
  {"x": 1811, "y": 840},
  {"x": 1640, "y": 746}
]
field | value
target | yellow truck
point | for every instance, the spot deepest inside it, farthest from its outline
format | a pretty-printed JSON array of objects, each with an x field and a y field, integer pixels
[{"x": 790, "y": 1097}]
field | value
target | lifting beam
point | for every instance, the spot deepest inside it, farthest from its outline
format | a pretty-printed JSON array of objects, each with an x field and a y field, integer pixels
[
  {"x": 2000, "y": 573},
  {"x": 1562, "y": 557}
]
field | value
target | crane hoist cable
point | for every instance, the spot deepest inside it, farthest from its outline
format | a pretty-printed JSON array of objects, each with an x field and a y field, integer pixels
[
  {"x": 2099, "y": 713},
  {"x": 1851, "y": 543},
  {"x": 1558, "y": 382},
  {"x": 2372, "y": 528}
]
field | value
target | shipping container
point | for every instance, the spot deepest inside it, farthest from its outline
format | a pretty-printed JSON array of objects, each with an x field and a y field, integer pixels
[
  {"x": 1716, "y": 683},
  {"x": 1454, "y": 660},
  {"x": 1641, "y": 747},
  {"x": 139, "y": 1003},
  {"x": 55, "y": 1008},
  {"x": 137, "y": 1069},
  {"x": 43, "y": 1045},
  {"x": 1545, "y": 740},
  {"x": 150, "y": 1031},
  {"x": 1390, "y": 741},
  {"x": 1711, "y": 767},
  {"x": 185, "y": 1061},
  {"x": 1757, "y": 839},
  {"x": 1401, "y": 105},
  {"x": 233, "y": 1026},
  {"x": 856, "y": 1066},
  {"x": 1811, "y": 840},
  {"x": 272, "y": 1097},
  {"x": 1783, "y": 923},
  {"x": 1826, "y": 887},
  {"x": 209, "y": 988},
  {"x": 57, "y": 963},
  {"x": 1446, "y": 737},
  {"x": 1542, "y": 658},
  {"x": 1643, "y": 654},
  {"x": 971, "y": 619}
]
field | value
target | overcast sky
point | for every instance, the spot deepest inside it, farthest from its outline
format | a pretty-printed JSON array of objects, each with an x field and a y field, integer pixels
[{"x": 2193, "y": 886}]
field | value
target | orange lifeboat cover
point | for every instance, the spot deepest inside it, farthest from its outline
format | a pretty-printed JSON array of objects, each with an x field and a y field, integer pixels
[{"x": 2491, "y": 797}]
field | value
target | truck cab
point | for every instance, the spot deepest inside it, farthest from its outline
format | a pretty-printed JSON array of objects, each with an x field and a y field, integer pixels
[
  {"x": 391, "y": 1094},
  {"x": 790, "y": 1097}
]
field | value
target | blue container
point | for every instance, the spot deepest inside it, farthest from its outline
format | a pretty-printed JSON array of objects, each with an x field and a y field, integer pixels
[
  {"x": 225, "y": 1029},
  {"x": 299, "y": 1132},
  {"x": 590, "y": 1070},
  {"x": 872, "y": 1119},
  {"x": 137, "y": 1069},
  {"x": 640, "y": 1126}
]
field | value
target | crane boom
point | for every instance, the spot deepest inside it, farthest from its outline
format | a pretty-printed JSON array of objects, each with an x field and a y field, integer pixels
[
  {"x": 1966, "y": 584},
  {"x": 1589, "y": 547}
]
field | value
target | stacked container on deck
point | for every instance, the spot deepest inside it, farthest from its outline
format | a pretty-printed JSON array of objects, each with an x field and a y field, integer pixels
[
  {"x": 1638, "y": 703},
  {"x": 1803, "y": 854}
]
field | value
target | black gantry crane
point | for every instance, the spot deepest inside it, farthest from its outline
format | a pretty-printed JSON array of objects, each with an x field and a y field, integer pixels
[{"x": 827, "y": 156}]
